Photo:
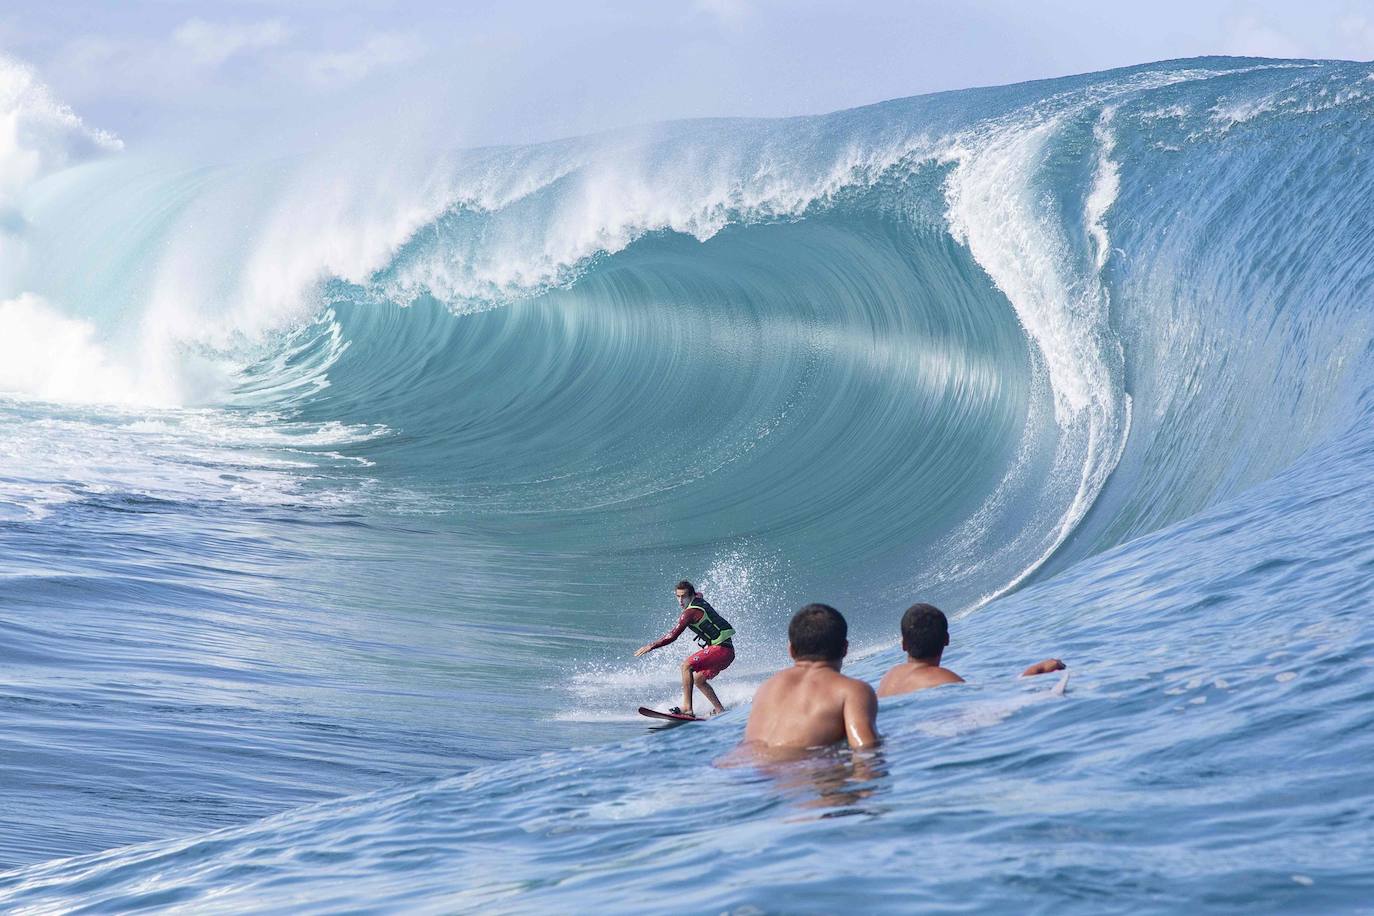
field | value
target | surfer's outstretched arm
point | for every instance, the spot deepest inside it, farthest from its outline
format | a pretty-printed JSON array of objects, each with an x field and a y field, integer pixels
[
  {"x": 1045, "y": 667},
  {"x": 688, "y": 616}
]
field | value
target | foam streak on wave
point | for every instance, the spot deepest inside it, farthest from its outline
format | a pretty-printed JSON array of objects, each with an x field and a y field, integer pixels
[{"x": 996, "y": 209}]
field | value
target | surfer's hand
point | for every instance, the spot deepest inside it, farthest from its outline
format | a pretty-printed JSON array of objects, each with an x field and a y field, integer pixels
[
  {"x": 1045, "y": 667},
  {"x": 642, "y": 649}
]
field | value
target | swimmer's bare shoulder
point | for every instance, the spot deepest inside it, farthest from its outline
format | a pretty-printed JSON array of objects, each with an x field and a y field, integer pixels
[
  {"x": 907, "y": 677},
  {"x": 767, "y": 709}
]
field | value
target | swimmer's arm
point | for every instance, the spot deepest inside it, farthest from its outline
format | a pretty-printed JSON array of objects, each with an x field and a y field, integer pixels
[
  {"x": 861, "y": 717},
  {"x": 688, "y": 616},
  {"x": 1045, "y": 667}
]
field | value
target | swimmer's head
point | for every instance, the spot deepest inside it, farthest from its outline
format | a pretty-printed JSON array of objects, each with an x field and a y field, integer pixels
[
  {"x": 818, "y": 633},
  {"x": 925, "y": 631}
]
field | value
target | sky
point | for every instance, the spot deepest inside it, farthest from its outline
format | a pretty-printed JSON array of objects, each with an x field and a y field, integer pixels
[{"x": 525, "y": 70}]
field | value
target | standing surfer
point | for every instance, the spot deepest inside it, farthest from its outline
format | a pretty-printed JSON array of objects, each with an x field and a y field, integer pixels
[{"x": 713, "y": 632}]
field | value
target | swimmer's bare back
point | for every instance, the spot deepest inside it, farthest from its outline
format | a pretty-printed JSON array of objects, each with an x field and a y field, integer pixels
[{"x": 812, "y": 705}]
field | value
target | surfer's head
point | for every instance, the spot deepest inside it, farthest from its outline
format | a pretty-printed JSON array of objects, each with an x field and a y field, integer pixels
[
  {"x": 818, "y": 633},
  {"x": 685, "y": 591},
  {"x": 925, "y": 631}
]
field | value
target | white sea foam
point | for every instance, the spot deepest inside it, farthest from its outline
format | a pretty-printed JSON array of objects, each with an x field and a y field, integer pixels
[
  {"x": 1303, "y": 96},
  {"x": 1106, "y": 185},
  {"x": 1228, "y": 114},
  {"x": 50, "y": 456},
  {"x": 617, "y": 194},
  {"x": 49, "y": 356},
  {"x": 1170, "y": 112},
  {"x": 996, "y": 210},
  {"x": 38, "y": 134},
  {"x": 995, "y": 207},
  {"x": 52, "y": 357}
]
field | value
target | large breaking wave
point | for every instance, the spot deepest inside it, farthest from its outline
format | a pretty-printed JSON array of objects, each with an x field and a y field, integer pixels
[
  {"x": 937, "y": 347},
  {"x": 929, "y": 330}
]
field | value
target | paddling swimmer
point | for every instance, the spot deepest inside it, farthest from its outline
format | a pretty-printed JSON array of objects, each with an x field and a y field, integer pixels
[
  {"x": 925, "y": 634},
  {"x": 713, "y": 632},
  {"x": 812, "y": 704}
]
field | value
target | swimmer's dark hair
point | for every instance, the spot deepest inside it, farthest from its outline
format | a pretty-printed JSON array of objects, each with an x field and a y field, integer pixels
[
  {"x": 686, "y": 587},
  {"x": 817, "y": 634},
  {"x": 925, "y": 631}
]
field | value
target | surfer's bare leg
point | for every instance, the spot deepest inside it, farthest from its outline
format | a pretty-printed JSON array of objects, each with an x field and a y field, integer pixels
[
  {"x": 686, "y": 706},
  {"x": 708, "y": 692}
]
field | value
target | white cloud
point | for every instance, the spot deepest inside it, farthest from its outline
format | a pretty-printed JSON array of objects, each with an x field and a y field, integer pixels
[
  {"x": 342, "y": 68},
  {"x": 38, "y": 134},
  {"x": 727, "y": 12},
  {"x": 1357, "y": 36},
  {"x": 1349, "y": 36},
  {"x": 1250, "y": 36},
  {"x": 211, "y": 43}
]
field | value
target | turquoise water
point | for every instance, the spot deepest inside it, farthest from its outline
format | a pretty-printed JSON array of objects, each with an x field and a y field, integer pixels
[{"x": 334, "y": 604}]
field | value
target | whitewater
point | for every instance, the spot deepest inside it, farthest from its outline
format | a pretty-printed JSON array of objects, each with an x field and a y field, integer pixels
[{"x": 338, "y": 488}]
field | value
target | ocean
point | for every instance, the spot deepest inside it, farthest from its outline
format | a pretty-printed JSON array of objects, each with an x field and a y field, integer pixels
[{"x": 337, "y": 490}]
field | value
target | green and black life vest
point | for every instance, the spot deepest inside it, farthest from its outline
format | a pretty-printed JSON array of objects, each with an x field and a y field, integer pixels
[{"x": 712, "y": 629}]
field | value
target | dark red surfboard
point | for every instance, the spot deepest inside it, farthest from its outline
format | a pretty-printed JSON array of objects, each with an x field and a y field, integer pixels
[{"x": 670, "y": 716}]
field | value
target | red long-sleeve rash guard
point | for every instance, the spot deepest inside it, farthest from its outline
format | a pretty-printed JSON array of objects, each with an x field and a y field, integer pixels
[{"x": 689, "y": 615}]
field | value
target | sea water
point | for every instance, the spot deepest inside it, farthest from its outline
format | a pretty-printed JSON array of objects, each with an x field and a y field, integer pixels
[{"x": 334, "y": 502}]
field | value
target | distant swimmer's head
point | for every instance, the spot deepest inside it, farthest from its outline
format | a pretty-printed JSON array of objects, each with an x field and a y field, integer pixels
[
  {"x": 818, "y": 633},
  {"x": 925, "y": 631},
  {"x": 685, "y": 592}
]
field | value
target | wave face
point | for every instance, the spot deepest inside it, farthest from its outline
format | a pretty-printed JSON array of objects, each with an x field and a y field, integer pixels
[{"x": 341, "y": 434}]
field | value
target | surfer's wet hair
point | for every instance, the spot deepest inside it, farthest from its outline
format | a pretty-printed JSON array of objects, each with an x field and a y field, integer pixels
[
  {"x": 925, "y": 631},
  {"x": 817, "y": 634},
  {"x": 685, "y": 586}
]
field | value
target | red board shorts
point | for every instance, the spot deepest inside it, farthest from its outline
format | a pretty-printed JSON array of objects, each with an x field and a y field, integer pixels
[{"x": 712, "y": 660}]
